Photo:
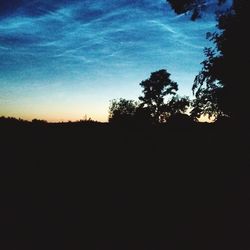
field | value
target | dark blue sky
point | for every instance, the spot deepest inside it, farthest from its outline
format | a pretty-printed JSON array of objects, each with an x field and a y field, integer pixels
[{"x": 61, "y": 59}]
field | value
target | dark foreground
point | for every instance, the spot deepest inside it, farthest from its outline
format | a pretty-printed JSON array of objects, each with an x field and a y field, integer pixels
[{"x": 99, "y": 187}]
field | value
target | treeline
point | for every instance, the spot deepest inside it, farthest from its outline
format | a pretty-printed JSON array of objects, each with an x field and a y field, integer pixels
[{"x": 8, "y": 121}]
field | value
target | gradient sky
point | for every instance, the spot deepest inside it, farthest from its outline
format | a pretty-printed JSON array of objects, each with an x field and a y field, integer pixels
[{"x": 62, "y": 60}]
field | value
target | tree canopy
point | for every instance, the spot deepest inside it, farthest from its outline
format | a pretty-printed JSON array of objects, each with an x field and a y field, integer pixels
[
  {"x": 222, "y": 87},
  {"x": 177, "y": 105},
  {"x": 122, "y": 110},
  {"x": 155, "y": 89},
  {"x": 194, "y": 6}
]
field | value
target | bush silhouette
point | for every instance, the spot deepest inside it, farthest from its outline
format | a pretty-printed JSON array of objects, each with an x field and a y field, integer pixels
[{"x": 122, "y": 111}]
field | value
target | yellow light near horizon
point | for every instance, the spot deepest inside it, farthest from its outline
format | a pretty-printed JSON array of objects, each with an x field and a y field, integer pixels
[
  {"x": 54, "y": 114},
  {"x": 205, "y": 118}
]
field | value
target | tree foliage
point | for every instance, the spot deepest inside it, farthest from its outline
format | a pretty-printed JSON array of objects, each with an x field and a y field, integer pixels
[
  {"x": 207, "y": 88},
  {"x": 155, "y": 89},
  {"x": 177, "y": 105},
  {"x": 222, "y": 86},
  {"x": 194, "y": 6},
  {"x": 122, "y": 111}
]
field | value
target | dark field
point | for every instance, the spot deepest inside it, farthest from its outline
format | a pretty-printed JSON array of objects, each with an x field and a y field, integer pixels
[{"x": 94, "y": 186}]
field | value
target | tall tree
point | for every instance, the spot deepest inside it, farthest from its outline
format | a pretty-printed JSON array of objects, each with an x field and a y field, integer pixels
[
  {"x": 222, "y": 87},
  {"x": 155, "y": 89},
  {"x": 223, "y": 83}
]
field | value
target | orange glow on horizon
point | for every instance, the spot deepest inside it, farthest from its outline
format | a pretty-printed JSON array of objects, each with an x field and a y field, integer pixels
[{"x": 57, "y": 118}]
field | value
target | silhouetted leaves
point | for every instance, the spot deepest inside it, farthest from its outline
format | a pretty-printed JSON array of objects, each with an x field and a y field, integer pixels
[
  {"x": 122, "y": 111},
  {"x": 222, "y": 88},
  {"x": 155, "y": 89},
  {"x": 177, "y": 105},
  {"x": 194, "y": 6}
]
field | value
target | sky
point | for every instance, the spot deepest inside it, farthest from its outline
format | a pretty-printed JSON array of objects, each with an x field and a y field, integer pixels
[{"x": 66, "y": 59}]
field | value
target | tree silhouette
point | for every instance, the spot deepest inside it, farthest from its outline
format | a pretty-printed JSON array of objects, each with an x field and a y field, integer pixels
[
  {"x": 207, "y": 89},
  {"x": 122, "y": 111},
  {"x": 177, "y": 105},
  {"x": 221, "y": 88},
  {"x": 155, "y": 89},
  {"x": 194, "y": 6},
  {"x": 39, "y": 122}
]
